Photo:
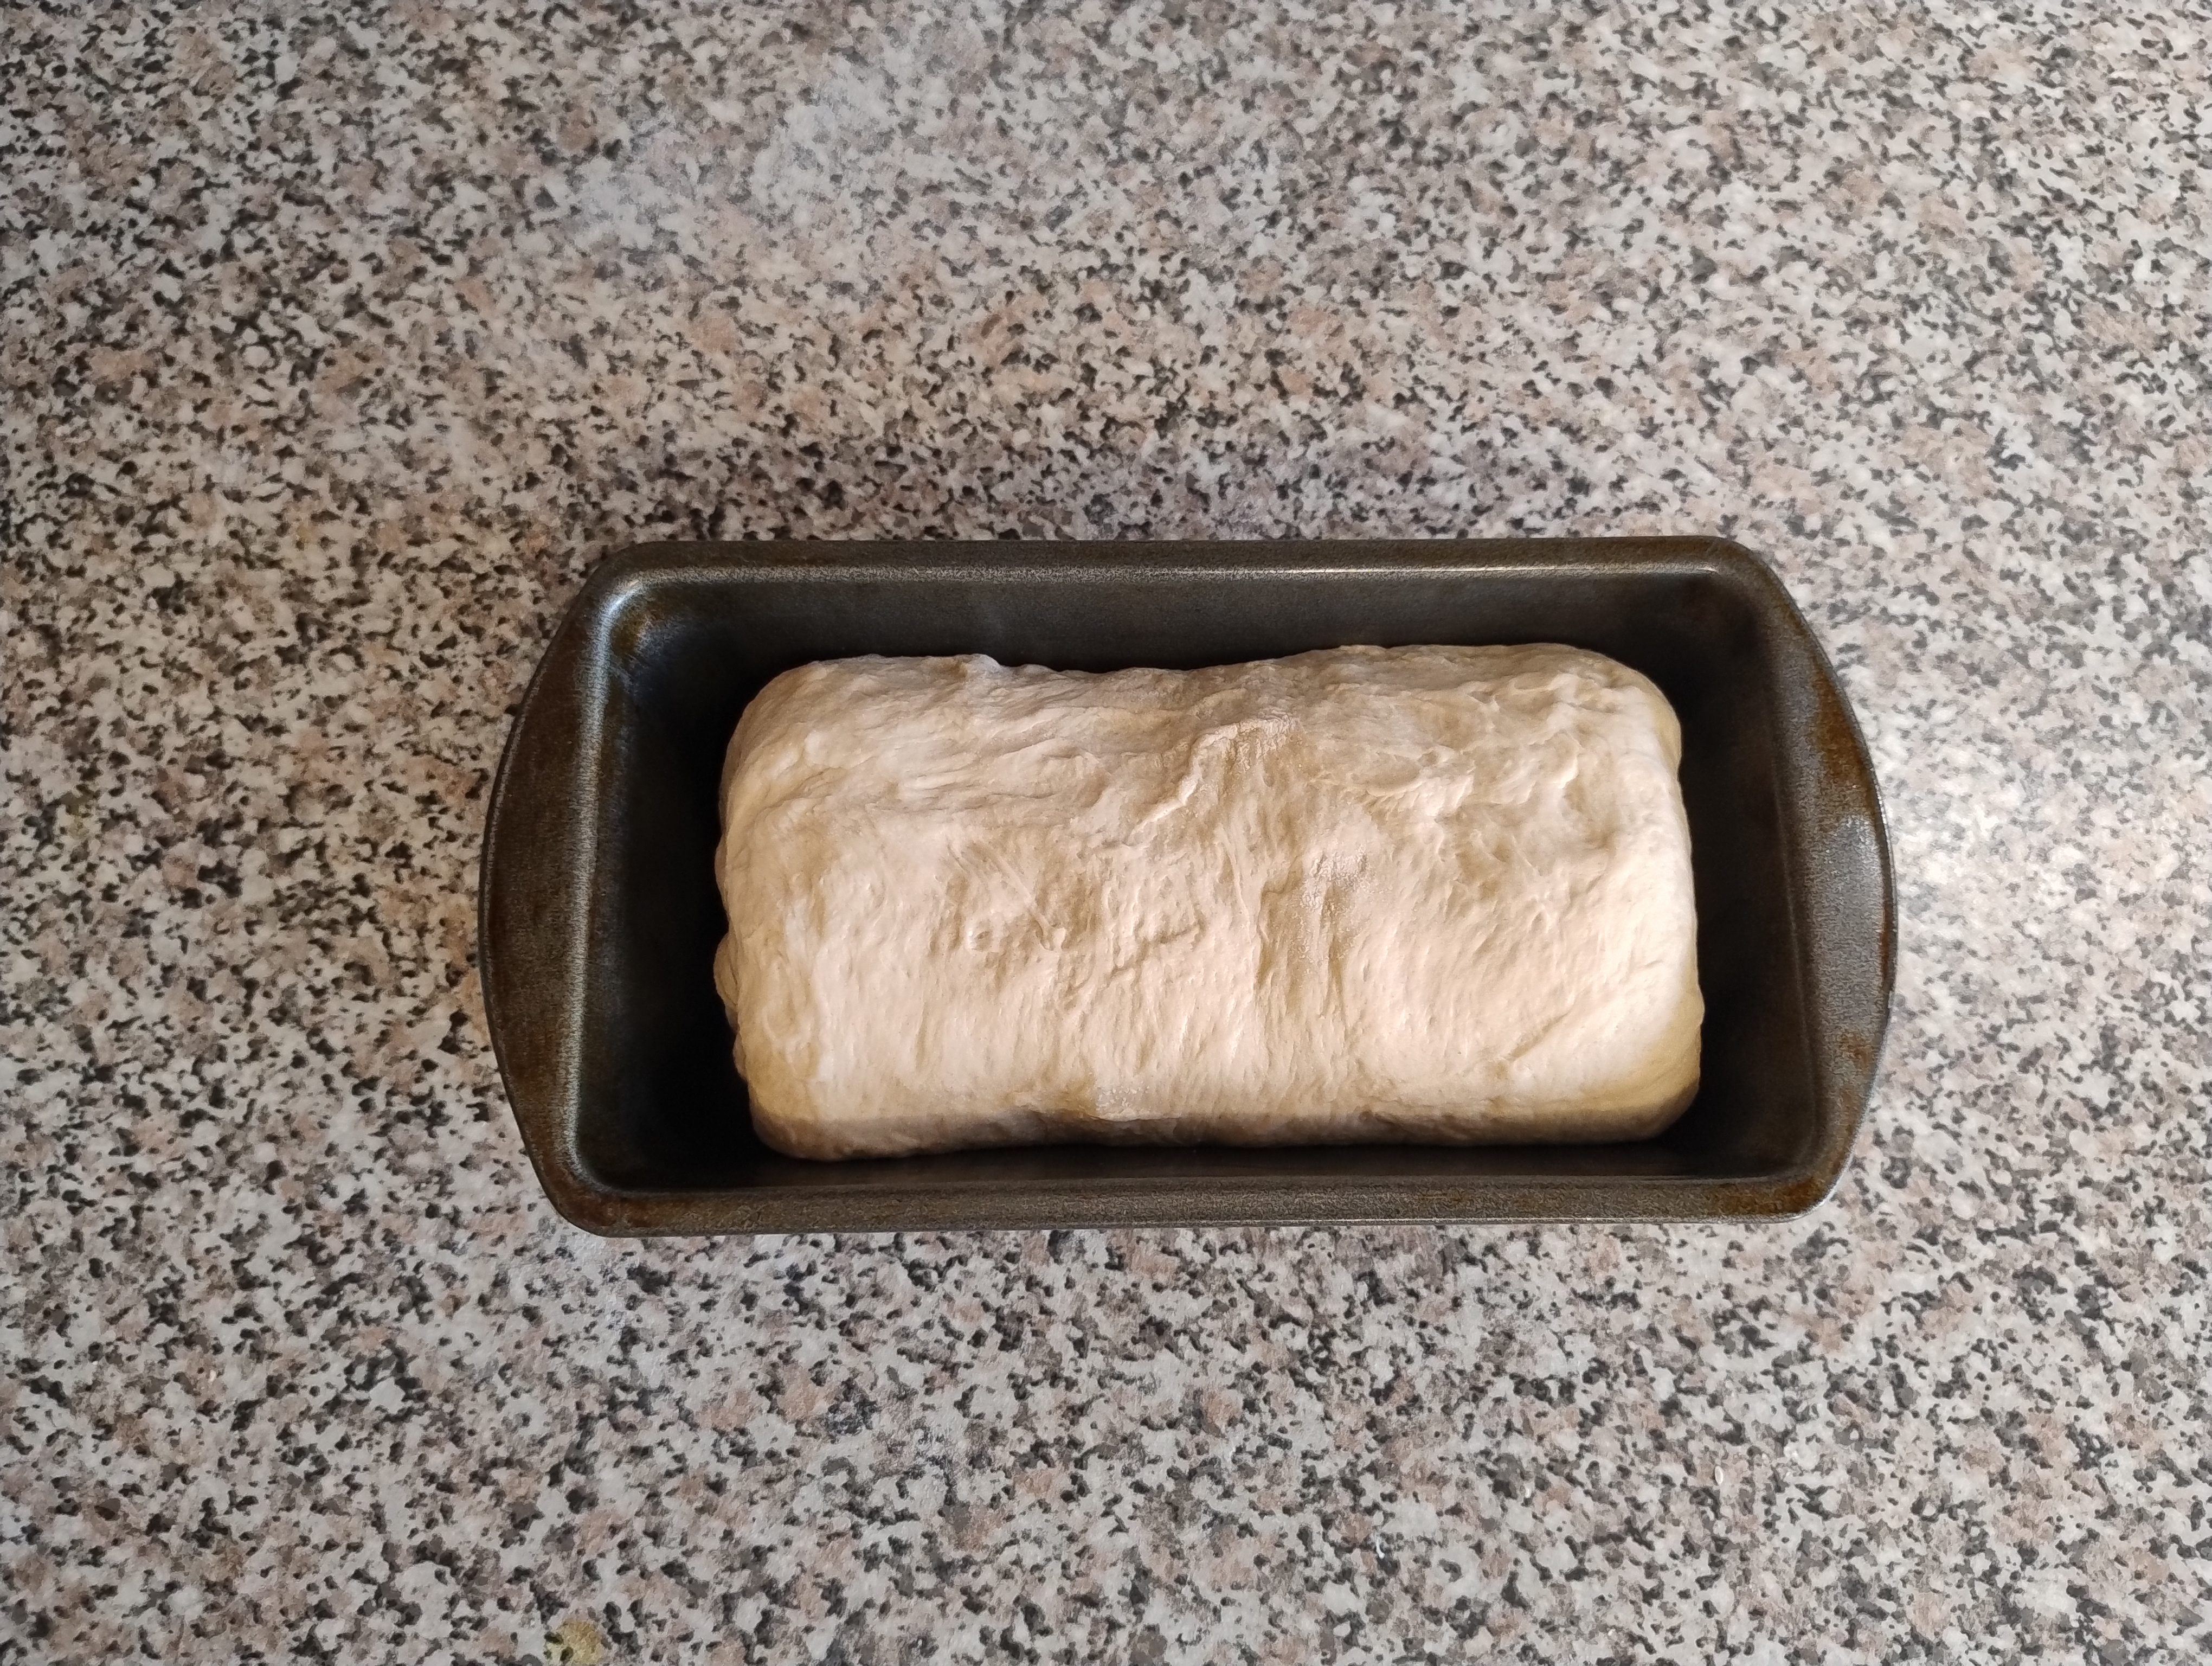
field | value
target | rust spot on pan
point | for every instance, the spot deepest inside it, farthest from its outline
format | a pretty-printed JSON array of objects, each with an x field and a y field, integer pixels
[
  {"x": 1835, "y": 742},
  {"x": 1859, "y": 1049}
]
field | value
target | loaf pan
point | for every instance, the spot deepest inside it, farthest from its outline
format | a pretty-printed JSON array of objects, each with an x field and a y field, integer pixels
[{"x": 600, "y": 914}]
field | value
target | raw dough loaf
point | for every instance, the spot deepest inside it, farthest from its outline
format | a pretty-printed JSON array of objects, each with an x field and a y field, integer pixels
[{"x": 1363, "y": 894}]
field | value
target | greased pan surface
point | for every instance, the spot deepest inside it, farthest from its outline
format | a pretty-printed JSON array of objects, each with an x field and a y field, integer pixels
[{"x": 599, "y": 916}]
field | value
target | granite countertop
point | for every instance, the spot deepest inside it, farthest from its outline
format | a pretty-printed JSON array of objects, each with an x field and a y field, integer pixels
[{"x": 336, "y": 351}]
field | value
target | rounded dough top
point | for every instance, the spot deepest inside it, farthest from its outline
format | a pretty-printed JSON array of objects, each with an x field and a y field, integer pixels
[{"x": 1430, "y": 893}]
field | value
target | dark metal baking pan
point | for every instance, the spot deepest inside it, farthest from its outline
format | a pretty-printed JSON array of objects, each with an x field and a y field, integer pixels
[{"x": 599, "y": 915}]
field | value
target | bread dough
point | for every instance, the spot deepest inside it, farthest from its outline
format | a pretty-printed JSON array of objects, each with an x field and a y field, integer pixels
[{"x": 1436, "y": 894}]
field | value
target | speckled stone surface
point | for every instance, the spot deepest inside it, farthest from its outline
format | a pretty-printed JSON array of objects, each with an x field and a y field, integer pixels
[{"x": 338, "y": 347}]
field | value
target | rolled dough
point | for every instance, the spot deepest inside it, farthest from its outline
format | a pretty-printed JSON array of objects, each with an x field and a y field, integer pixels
[{"x": 1433, "y": 894}]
